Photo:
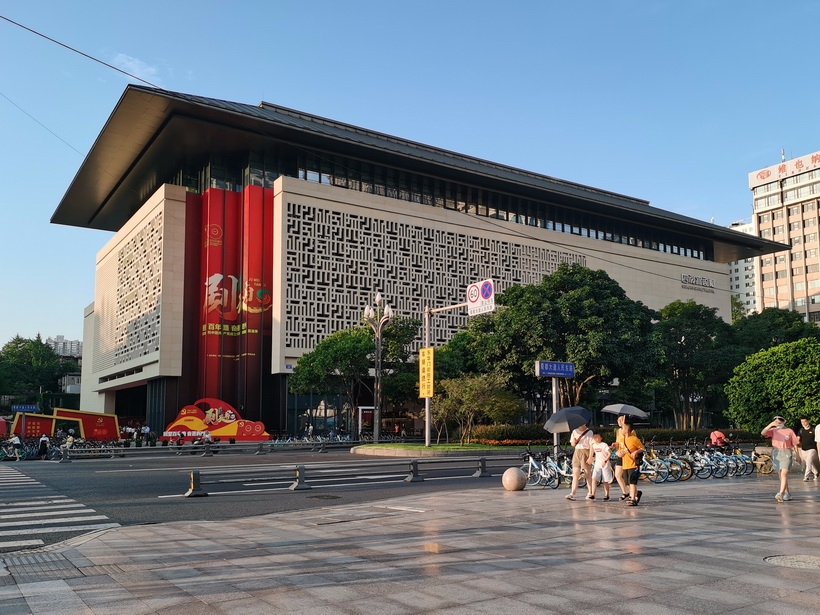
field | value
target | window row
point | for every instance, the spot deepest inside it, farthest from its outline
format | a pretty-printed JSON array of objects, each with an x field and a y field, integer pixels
[{"x": 407, "y": 186}]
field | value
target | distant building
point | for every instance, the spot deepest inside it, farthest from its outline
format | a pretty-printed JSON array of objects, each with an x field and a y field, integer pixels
[
  {"x": 64, "y": 347},
  {"x": 785, "y": 200},
  {"x": 70, "y": 383},
  {"x": 742, "y": 276}
]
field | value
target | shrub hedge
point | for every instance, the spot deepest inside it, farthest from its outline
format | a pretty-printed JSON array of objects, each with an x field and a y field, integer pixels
[{"x": 519, "y": 435}]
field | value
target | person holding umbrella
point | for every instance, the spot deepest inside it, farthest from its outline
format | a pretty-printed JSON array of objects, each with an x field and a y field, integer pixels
[
  {"x": 581, "y": 439},
  {"x": 631, "y": 453},
  {"x": 619, "y": 464}
]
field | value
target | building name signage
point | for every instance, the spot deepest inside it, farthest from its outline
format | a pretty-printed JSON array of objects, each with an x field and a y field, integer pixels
[
  {"x": 698, "y": 282},
  {"x": 787, "y": 168}
]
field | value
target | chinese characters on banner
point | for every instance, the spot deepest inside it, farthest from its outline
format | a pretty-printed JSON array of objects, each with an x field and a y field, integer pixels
[
  {"x": 235, "y": 269},
  {"x": 426, "y": 372}
]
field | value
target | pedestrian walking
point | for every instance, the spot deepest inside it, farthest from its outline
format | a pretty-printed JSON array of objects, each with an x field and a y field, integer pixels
[
  {"x": 581, "y": 439},
  {"x": 784, "y": 449},
  {"x": 15, "y": 443},
  {"x": 808, "y": 450},
  {"x": 619, "y": 465},
  {"x": 599, "y": 457},
  {"x": 42, "y": 451},
  {"x": 631, "y": 453}
]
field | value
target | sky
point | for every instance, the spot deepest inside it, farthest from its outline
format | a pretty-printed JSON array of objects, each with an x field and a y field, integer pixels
[{"x": 671, "y": 102}]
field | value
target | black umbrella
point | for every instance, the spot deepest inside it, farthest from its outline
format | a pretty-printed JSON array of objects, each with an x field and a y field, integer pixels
[
  {"x": 626, "y": 410},
  {"x": 567, "y": 419}
]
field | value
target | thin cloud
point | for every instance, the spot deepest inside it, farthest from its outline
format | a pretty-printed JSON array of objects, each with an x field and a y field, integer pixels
[{"x": 136, "y": 67}]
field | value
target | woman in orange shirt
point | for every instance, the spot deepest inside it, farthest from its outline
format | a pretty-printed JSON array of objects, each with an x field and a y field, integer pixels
[{"x": 630, "y": 450}]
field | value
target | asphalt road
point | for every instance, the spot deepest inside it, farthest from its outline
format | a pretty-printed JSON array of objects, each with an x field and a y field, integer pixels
[{"x": 139, "y": 489}]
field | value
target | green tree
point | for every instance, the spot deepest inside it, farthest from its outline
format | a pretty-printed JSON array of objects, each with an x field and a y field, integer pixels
[
  {"x": 784, "y": 379},
  {"x": 575, "y": 315},
  {"x": 341, "y": 363},
  {"x": 738, "y": 309},
  {"x": 30, "y": 367},
  {"x": 399, "y": 369},
  {"x": 698, "y": 356},
  {"x": 473, "y": 399},
  {"x": 338, "y": 365},
  {"x": 771, "y": 327}
]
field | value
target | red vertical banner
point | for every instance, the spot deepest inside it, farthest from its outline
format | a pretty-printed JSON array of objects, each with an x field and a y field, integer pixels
[
  {"x": 257, "y": 253},
  {"x": 220, "y": 305}
]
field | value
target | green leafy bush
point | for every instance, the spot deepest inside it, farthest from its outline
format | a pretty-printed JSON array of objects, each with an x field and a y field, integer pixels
[{"x": 519, "y": 435}]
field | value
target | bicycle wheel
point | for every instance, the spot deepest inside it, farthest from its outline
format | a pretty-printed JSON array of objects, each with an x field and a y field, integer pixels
[
  {"x": 532, "y": 475},
  {"x": 675, "y": 470},
  {"x": 660, "y": 471},
  {"x": 750, "y": 466},
  {"x": 741, "y": 465},
  {"x": 719, "y": 468},
  {"x": 551, "y": 479},
  {"x": 687, "y": 471},
  {"x": 763, "y": 464},
  {"x": 2, "y": 453},
  {"x": 702, "y": 468}
]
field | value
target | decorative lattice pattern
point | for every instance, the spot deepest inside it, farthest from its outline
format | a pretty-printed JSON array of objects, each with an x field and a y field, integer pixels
[
  {"x": 337, "y": 261},
  {"x": 130, "y": 328}
]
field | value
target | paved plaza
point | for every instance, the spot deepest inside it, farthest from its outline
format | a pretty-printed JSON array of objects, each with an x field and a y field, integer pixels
[{"x": 714, "y": 546}]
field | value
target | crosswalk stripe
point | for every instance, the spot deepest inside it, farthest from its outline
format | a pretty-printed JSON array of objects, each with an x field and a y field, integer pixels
[
  {"x": 27, "y": 513},
  {"x": 49, "y": 499},
  {"x": 53, "y": 521},
  {"x": 33, "y": 509},
  {"x": 54, "y": 530},
  {"x": 54, "y": 507},
  {"x": 16, "y": 544}
]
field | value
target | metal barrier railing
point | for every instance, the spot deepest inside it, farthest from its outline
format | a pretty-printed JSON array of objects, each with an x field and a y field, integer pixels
[{"x": 476, "y": 466}]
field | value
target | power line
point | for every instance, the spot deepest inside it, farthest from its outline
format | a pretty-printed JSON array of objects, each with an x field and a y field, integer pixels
[
  {"x": 77, "y": 51},
  {"x": 41, "y": 124}
]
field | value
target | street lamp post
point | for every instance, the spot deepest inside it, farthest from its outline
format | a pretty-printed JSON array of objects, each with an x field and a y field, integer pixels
[{"x": 377, "y": 318}]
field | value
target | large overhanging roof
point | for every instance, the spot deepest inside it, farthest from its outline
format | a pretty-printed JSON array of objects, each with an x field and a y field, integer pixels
[{"x": 151, "y": 131}]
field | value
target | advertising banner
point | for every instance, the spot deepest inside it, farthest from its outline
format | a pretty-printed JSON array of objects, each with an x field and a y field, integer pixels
[
  {"x": 32, "y": 426},
  {"x": 235, "y": 272},
  {"x": 216, "y": 417},
  {"x": 89, "y": 425},
  {"x": 221, "y": 277},
  {"x": 256, "y": 302},
  {"x": 94, "y": 425}
]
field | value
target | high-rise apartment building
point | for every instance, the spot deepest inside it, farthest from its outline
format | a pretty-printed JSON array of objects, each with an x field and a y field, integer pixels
[
  {"x": 742, "y": 276},
  {"x": 785, "y": 198},
  {"x": 64, "y": 347}
]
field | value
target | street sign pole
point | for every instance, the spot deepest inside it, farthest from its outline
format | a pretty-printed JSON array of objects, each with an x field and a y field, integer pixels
[
  {"x": 480, "y": 300},
  {"x": 556, "y": 439},
  {"x": 428, "y": 415},
  {"x": 556, "y": 370}
]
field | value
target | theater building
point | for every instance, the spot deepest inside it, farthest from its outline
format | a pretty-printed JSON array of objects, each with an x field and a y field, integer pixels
[{"x": 244, "y": 235}]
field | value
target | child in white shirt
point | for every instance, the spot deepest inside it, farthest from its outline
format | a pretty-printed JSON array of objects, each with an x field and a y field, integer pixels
[{"x": 599, "y": 458}]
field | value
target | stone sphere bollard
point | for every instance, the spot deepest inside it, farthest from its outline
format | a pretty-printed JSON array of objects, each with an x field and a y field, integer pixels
[{"x": 514, "y": 479}]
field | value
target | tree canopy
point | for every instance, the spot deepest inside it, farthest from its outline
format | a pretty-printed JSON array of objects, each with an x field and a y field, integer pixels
[
  {"x": 575, "y": 315},
  {"x": 784, "y": 379},
  {"x": 771, "y": 327},
  {"x": 698, "y": 357},
  {"x": 30, "y": 367},
  {"x": 340, "y": 364}
]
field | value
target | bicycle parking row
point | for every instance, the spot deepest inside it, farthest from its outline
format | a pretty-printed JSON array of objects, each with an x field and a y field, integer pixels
[{"x": 675, "y": 463}]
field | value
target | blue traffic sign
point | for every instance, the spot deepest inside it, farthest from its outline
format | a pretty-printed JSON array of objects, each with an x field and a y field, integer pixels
[
  {"x": 24, "y": 408},
  {"x": 554, "y": 369}
]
